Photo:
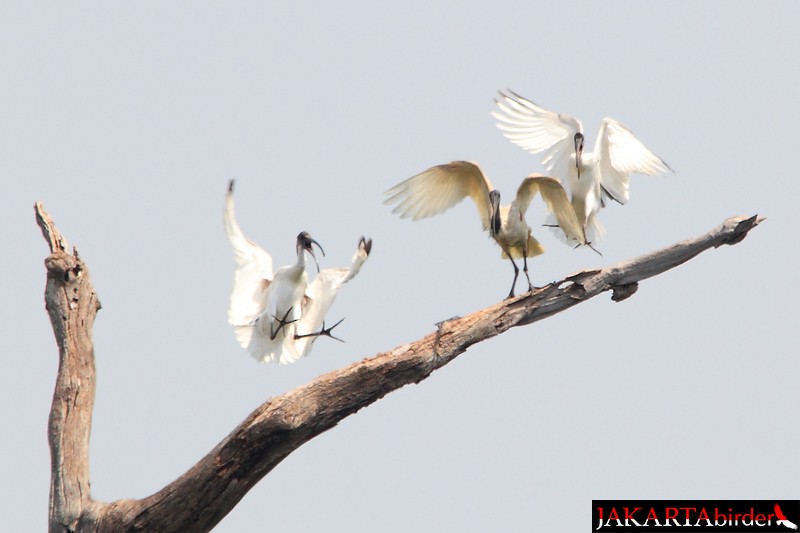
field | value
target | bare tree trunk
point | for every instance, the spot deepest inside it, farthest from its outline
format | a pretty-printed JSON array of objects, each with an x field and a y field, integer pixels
[
  {"x": 201, "y": 497},
  {"x": 72, "y": 305}
]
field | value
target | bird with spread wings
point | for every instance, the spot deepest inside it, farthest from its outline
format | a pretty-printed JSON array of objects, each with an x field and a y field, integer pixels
[
  {"x": 592, "y": 178},
  {"x": 441, "y": 187},
  {"x": 278, "y": 316}
]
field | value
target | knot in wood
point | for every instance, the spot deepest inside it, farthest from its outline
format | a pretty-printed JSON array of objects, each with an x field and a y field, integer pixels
[
  {"x": 623, "y": 292},
  {"x": 64, "y": 266}
]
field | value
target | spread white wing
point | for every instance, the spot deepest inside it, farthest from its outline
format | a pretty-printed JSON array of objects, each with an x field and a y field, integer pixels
[
  {"x": 439, "y": 188},
  {"x": 252, "y": 274},
  {"x": 621, "y": 154},
  {"x": 321, "y": 293},
  {"x": 536, "y": 129}
]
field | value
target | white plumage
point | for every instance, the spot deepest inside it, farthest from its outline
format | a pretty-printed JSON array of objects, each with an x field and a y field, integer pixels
[
  {"x": 593, "y": 177},
  {"x": 277, "y": 317},
  {"x": 443, "y": 186}
]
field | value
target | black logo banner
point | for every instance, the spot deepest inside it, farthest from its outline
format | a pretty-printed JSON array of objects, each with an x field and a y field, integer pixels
[{"x": 720, "y": 516}]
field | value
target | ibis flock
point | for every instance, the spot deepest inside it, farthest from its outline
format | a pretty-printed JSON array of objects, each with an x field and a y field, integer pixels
[{"x": 278, "y": 315}]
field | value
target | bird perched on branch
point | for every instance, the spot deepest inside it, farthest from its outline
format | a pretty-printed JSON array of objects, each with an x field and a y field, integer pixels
[
  {"x": 592, "y": 177},
  {"x": 443, "y": 186},
  {"x": 277, "y": 317}
]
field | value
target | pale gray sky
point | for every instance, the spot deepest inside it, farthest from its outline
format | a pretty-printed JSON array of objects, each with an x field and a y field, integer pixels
[{"x": 128, "y": 119}]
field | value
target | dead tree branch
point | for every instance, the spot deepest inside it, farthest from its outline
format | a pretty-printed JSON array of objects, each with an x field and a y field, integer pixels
[
  {"x": 72, "y": 304},
  {"x": 201, "y": 497}
]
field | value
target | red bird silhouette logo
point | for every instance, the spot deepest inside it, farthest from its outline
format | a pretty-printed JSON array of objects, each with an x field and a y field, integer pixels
[{"x": 782, "y": 520}]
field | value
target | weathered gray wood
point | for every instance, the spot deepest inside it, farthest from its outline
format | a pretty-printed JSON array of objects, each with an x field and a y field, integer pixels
[
  {"x": 201, "y": 497},
  {"x": 72, "y": 305}
]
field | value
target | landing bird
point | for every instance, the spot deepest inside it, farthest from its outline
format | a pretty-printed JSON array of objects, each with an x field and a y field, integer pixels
[
  {"x": 592, "y": 177},
  {"x": 276, "y": 316},
  {"x": 443, "y": 186}
]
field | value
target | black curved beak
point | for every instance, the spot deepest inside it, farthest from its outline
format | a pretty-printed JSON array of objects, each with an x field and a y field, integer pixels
[
  {"x": 494, "y": 213},
  {"x": 578, "y": 152},
  {"x": 311, "y": 251},
  {"x": 312, "y": 241},
  {"x": 305, "y": 240}
]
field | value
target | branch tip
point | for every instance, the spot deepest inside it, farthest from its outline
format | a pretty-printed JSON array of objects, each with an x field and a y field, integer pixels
[
  {"x": 743, "y": 226},
  {"x": 54, "y": 239}
]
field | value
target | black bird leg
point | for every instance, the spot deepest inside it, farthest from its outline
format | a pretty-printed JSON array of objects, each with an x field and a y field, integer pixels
[
  {"x": 324, "y": 332},
  {"x": 283, "y": 322},
  {"x": 525, "y": 268},
  {"x": 516, "y": 273}
]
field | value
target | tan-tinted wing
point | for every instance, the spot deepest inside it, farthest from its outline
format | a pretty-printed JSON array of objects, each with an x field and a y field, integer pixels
[
  {"x": 439, "y": 188},
  {"x": 253, "y": 270},
  {"x": 557, "y": 202}
]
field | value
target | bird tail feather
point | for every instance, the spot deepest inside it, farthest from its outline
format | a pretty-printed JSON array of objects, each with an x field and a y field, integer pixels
[{"x": 534, "y": 249}]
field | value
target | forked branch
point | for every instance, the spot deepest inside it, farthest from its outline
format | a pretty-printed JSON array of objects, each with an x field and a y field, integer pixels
[{"x": 201, "y": 497}]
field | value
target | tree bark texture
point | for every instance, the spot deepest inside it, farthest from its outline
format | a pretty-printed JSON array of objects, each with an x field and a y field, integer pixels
[
  {"x": 201, "y": 497},
  {"x": 72, "y": 304}
]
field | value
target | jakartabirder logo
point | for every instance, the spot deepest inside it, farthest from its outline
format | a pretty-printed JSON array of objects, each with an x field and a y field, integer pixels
[{"x": 720, "y": 516}]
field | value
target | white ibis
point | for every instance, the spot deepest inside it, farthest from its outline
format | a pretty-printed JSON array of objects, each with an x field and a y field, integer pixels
[
  {"x": 275, "y": 315},
  {"x": 592, "y": 177},
  {"x": 441, "y": 187}
]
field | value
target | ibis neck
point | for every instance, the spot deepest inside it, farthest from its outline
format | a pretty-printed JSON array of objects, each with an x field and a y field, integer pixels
[
  {"x": 301, "y": 257},
  {"x": 496, "y": 222}
]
